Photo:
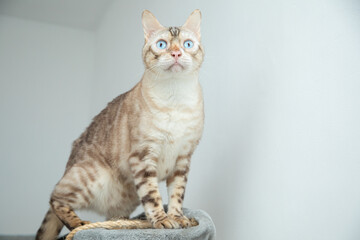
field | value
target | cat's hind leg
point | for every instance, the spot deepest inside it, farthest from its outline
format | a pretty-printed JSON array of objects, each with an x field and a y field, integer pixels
[{"x": 74, "y": 191}]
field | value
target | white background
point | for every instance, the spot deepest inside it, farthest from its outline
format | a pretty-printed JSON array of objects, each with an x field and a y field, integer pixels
[{"x": 280, "y": 154}]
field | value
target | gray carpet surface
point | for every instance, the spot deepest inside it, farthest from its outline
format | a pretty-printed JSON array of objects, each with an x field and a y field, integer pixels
[{"x": 204, "y": 231}]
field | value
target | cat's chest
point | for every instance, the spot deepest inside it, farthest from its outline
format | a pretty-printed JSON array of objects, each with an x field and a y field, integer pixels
[
  {"x": 177, "y": 132},
  {"x": 176, "y": 126},
  {"x": 173, "y": 124},
  {"x": 174, "y": 120}
]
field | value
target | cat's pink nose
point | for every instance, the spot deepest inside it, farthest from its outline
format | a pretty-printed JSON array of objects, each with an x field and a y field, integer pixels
[{"x": 176, "y": 54}]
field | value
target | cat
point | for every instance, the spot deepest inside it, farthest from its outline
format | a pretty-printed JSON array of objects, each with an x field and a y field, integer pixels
[{"x": 143, "y": 136}]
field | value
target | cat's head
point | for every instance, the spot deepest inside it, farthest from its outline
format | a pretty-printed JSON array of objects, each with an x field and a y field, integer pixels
[{"x": 172, "y": 49}]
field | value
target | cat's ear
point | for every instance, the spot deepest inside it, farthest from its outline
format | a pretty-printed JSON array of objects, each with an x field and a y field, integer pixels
[
  {"x": 150, "y": 24},
  {"x": 193, "y": 22}
]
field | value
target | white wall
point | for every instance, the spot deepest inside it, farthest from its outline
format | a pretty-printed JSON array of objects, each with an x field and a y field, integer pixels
[
  {"x": 45, "y": 76},
  {"x": 280, "y": 155}
]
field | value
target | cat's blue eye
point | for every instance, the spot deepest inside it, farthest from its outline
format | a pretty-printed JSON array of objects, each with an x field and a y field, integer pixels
[
  {"x": 188, "y": 44},
  {"x": 161, "y": 44}
]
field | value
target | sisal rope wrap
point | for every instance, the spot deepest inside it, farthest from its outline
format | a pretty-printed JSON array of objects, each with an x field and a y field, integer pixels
[{"x": 119, "y": 224}]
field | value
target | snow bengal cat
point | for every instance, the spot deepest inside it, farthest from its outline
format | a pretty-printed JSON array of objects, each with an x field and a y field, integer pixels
[{"x": 143, "y": 136}]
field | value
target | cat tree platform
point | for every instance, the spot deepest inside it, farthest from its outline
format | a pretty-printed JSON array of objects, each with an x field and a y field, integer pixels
[{"x": 204, "y": 231}]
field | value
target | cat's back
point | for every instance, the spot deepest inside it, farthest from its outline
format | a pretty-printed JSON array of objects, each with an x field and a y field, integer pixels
[{"x": 99, "y": 137}]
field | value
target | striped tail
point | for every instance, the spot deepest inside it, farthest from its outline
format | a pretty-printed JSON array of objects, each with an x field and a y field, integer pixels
[{"x": 50, "y": 227}]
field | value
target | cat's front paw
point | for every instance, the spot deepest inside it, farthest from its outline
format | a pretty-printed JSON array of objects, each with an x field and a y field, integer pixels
[
  {"x": 82, "y": 223},
  {"x": 183, "y": 221},
  {"x": 77, "y": 223},
  {"x": 166, "y": 222}
]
